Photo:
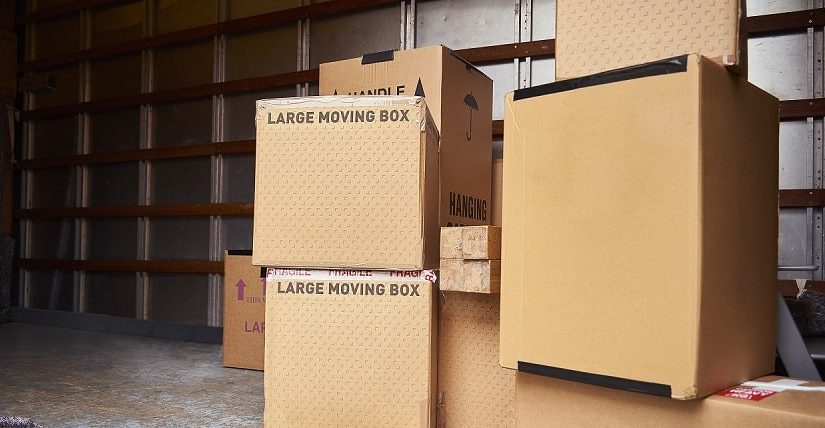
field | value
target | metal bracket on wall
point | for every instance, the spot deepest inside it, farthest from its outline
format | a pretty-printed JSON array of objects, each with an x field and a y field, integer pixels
[
  {"x": 790, "y": 346},
  {"x": 524, "y": 33},
  {"x": 408, "y": 24}
]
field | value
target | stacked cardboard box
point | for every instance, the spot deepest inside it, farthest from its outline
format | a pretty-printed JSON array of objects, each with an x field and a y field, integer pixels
[
  {"x": 640, "y": 223},
  {"x": 641, "y": 252},
  {"x": 765, "y": 402},
  {"x": 350, "y": 192},
  {"x": 346, "y": 182},
  {"x": 347, "y": 185},
  {"x": 593, "y": 36},
  {"x": 350, "y": 348},
  {"x": 244, "y": 302},
  {"x": 460, "y": 99}
]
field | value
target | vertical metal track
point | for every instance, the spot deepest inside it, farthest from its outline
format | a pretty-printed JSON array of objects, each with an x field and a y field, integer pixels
[
  {"x": 142, "y": 289},
  {"x": 809, "y": 154},
  {"x": 84, "y": 147},
  {"x": 27, "y": 141},
  {"x": 302, "y": 89},
  {"x": 215, "y": 283},
  {"x": 408, "y": 24},
  {"x": 516, "y": 38},
  {"x": 816, "y": 56},
  {"x": 524, "y": 31},
  {"x": 402, "y": 27}
]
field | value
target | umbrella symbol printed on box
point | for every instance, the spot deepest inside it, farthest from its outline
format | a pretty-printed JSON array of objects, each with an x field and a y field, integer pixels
[{"x": 472, "y": 104}]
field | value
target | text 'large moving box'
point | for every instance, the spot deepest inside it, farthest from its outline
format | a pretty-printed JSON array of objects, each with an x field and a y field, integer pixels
[
  {"x": 348, "y": 182},
  {"x": 460, "y": 99},
  {"x": 595, "y": 36},
  {"x": 350, "y": 348},
  {"x": 767, "y": 402},
  {"x": 244, "y": 302},
  {"x": 639, "y": 229}
]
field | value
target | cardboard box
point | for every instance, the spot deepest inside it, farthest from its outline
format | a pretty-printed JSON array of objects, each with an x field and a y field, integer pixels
[
  {"x": 350, "y": 348},
  {"x": 346, "y": 182},
  {"x": 244, "y": 302},
  {"x": 460, "y": 99},
  {"x": 474, "y": 390},
  {"x": 595, "y": 36},
  {"x": 8, "y": 66},
  {"x": 768, "y": 402},
  {"x": 641, "y": 252},
  {"x": 498, "y": 169}
]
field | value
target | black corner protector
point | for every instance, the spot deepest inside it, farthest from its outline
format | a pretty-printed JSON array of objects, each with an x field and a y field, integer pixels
[
  {"x": 239, "y": 252},
  {"x": 596, "y": 379},
  {"x": 666, "y": 66},
  {"x": 374, "y": 57},
  {"x": 263, "y": 272}
]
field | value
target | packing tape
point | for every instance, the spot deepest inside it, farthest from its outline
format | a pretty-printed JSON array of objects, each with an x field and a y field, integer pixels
[
  {"x": 351, "y": 274},
  {"x": 785, "y": 385}
]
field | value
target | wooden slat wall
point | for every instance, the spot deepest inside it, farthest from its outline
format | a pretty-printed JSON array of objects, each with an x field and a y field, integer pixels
[
  {"x": 757, "y": 26},
  {"x": 168, "y": 266},
  {"x": 316, "y": 10},
  {"x": 177, "y": 210}
]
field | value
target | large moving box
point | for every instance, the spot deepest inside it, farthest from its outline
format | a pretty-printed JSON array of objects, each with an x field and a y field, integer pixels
[
  {"x": 460, "y": 99},
  {"x": 640, "y": 223},
  {"x": 597, "y": 35},
  {"x": 347, "y": 182},
  {"x": 474, "y": 390},
  {"x": 350, "y": 348},
  {"x": 244, "y": 302},
  {"x": 768, "y": 402}
]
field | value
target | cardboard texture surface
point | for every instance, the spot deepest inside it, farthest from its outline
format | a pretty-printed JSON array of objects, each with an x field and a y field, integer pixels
[
  {"x": 595, "y": 36},
  {"x": 472, "y": 276},
  {"x": 349, "y": 182},
  {"x": 8, "y": 66},
  {"x": 542, "y": 401},
  {"x": 459, "y": 97},
  {"x": 350, "y": 348},
  {"x": 474, "y": 390},
  {"x": 642, "y": 246},
  {"x": 498, "y": 168},
  {"x": 244, "y": 304}
]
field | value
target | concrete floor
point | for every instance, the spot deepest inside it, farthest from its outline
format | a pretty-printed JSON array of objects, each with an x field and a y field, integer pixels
[{"x": 60, "y": 377}]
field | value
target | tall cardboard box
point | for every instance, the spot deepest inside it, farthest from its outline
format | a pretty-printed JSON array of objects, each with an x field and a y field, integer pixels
[
  {"x": 350, "y": 348},
  {"x": 594, "y": 36},
  {"x": 498, "y": 168},
  {"x": 639, "y": 229},
  {"x": 349, "y": 182},
  {"x": 460, "y": 99},
  {"x": 767, "y": 402},
  {"x": 244, "y": 302},
  {"x": 473, "y": 389}
]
